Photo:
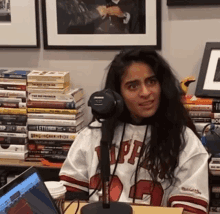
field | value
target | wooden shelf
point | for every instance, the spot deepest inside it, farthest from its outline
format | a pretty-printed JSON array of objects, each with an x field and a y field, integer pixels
[{"x": 18, "y": 163}]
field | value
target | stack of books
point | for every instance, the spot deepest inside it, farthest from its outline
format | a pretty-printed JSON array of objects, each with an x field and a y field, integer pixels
[
  {"x": 200, "y": 110},
  {"x": 55, "y": 114},
  {"x": 13, "y": 114}
]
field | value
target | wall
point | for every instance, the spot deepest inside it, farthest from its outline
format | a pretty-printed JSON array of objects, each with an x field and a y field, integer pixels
[{"x": 185, "y": 30}]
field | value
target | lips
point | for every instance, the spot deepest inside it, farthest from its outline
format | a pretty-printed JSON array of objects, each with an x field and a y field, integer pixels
[{"x": 147, "y": 103}]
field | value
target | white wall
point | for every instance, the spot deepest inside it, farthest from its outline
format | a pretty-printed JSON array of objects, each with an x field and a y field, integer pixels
[{"x": 185, "y": 30}]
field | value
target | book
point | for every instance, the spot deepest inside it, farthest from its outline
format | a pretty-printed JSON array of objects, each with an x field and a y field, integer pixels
[
  {"x": 13, "y": 81},
  {"x": 50, "y": 142},
  {"x": 14, "y": 123},
  {"x": 191, "y": 99},
  {"x": 54, "y": 122},
  {"x": 35, "y": 147},
  {"x": 47, "y": 90},
  {"x": 55, "y": 104},
  {"x": 18, "y": 74},
  {"x": 13, "y": 148},
  {"x": 56, "y": 111},
  {"x": 14, "y": 155},
  {"x": 13, "y": 104},
  {"x": 22, "y": 111},
  {"x": 201, "y": 120},
  {"x": 35, "y": 135},
  {"x": 72, "y": 129},
  {"x": 198, "y": 107},
  {"x": 12, "y": 100},
  {"x": 71, "y": 95},
  {"x": 200, "y": 114},
  {"x": 9, "y": 128},
  {"x": 48, "y": 76},
  {"x": 55, "y": 116},
  {"x": 13, "y": 140},
  {"x": 42, "y": 152},
  {"x": 12, "y": 87},
  {"x": 47, "y": 85},
  {"x": 7, "y": 134},
  {"x": 13, "y": 93},
  {"x": 13, "y": 117}
]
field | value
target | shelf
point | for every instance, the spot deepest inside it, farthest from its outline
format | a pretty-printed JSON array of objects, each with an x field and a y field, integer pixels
[{"x": 19, "y": 163}]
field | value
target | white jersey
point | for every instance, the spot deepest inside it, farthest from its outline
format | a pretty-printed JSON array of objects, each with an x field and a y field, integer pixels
[{"x": 79, "y": 171}]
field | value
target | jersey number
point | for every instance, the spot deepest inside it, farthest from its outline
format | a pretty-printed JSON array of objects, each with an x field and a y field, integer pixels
[{"x": 143, "y": 187}]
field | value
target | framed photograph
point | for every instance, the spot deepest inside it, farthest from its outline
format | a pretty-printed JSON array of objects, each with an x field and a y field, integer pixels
[
  {"x": 192, "y": 2},
  {"x": 19, "y": 24},
  {"x": 208, "y": 84},
  {"x": 101, "y": 24}
]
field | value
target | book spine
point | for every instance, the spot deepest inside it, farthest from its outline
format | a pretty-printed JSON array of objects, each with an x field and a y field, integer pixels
[
  {"x": 17, "y": 118},
  {"x": 51, "y": 136},
  {"x": 6, "y": 134},
  {"x": 14, "y": 123},
  {"x": 13, "y": 148},
  {"x": 13, "y": 111},
  {"x": 200, "y": 114},
  {"x": 71, "y": 129},
  {"x": 51, "y": 104},
  {"x": 33, "y": 159},
  {"x": 12, "y": 105},
  {"x": 8, "y": 128},
  {"x": 55, "y": 116},
  {"x": 50, "y": 97},
  {"x": 216, "y": 106},
  {"x": 13, "y": 81},
  {"x": 77, "y": 94},
  {"x": 13, "y": 140},
  {"x": 50, "y": 76},
  {"x": 50, "y": 142},
  {"x": 54, "y": 111},
  {"x": 12, "y": 87},
  {"x": 13, "y": 155},
  {"x": 48, "y": 90},
  {"x": 13, "y": 93},
  {"x": 192, "y": 107},
  {"x": 55, "y": 152},
  {"x": 202, "y": 119},
  {"x": 216, "y": 120},
  {"x": 35, "y": 147},
  {"x": 16, "y": 76},
  {"x": 51, "y": 122},
  {"x": 13, "y": 100},
  {"x": 47, "y": 85},
  {"x": 3, "y": 178}
]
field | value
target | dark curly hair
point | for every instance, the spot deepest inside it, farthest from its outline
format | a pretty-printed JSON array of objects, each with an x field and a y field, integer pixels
[{"x": 168, "y": 123}]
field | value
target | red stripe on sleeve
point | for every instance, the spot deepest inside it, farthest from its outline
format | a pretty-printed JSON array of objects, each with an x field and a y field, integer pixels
[
  {"x": 74, "y": 181},
  {"x": 190, "y": 209},
  {"x": 73, "y": 189},
  {"x": 187, "y": 199}
]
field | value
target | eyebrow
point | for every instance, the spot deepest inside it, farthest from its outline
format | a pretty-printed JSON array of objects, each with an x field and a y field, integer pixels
[{"x": 134, "y": 81}]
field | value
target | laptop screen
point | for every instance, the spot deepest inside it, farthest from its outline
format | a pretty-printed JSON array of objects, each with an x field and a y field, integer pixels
[{"x": 26, "y": 194}]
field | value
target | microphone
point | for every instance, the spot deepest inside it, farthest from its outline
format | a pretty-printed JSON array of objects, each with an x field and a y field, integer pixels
[{"x": 106, "y": 104}]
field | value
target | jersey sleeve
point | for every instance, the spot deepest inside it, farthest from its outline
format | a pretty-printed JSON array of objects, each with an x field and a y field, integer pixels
[
  {"x": 74, "y": 172},
  {"x": 191, "y": 190}
]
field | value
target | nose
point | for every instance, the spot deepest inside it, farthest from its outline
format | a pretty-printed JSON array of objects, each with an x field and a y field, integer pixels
[{"x": 145, "y": 91}]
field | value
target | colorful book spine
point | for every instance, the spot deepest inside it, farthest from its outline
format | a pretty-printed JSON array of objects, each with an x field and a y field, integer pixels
[
  {"x": 47, "y": 85},
  {"x": 50, "y": 142},
  {"x": 193, "y": 107},
  {"x": 8, "y": 128},
  {"x": 13, "y": 93},
  {"x": 200, "y": 114},
  {"x": 35, "y": 135},
  {"x": 13, "y": 140},
  {"x": 13, "y": 105},
  {"x": 22, "y": 111},
  {"x": 17, "y": 74},
  {"x": 12, "y": 87},
  {"x": 35, "y": 147}
]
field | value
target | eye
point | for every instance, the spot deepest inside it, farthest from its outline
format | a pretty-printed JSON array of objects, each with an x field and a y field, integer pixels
[
  {"x": 132, "y": 86},
  {"x": 151, "y": 81}
]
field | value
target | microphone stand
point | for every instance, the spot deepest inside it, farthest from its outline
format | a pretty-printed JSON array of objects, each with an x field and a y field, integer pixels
[{"x": 106, "y": 207}]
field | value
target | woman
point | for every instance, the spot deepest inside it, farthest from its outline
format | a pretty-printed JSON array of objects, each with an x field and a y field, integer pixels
[{"x": 161, "y": 160}]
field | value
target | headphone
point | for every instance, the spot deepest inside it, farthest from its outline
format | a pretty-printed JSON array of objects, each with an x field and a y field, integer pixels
[{"x": 106, "y": 104}]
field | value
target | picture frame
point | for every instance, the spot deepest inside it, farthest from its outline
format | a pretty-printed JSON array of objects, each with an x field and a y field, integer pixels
[
  {"x": 77, "y": 40},
  {"x": 208, "y": 84},
  {"x": 19, "y": 24},
  {"x": 192, "y": 2}
]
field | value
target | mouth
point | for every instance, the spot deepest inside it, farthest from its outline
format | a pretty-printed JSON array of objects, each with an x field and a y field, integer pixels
[{"x": 147, "y": 103}]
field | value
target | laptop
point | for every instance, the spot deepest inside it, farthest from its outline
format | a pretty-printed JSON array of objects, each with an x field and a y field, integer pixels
[{"x": 27, "y": 194}]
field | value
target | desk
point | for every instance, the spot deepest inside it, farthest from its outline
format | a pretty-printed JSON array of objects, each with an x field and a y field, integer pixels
[{"x": 137, "y": 209}]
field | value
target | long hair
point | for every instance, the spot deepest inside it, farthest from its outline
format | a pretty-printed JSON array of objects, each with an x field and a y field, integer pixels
[{"x": 161, "y": 155}]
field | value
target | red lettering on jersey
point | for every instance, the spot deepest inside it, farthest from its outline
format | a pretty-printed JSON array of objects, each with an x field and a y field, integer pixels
[
  {"x": 137, "y": 145},
  {"x": 125, "y": 147},
  {"x": 147, "y": 187}
]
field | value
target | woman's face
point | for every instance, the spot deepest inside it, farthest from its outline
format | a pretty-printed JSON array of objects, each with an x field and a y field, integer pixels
[{"x": 140, "y": 90}]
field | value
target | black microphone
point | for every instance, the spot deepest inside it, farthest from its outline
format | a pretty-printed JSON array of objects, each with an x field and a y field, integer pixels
[{"x": 106, "y": 104}]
